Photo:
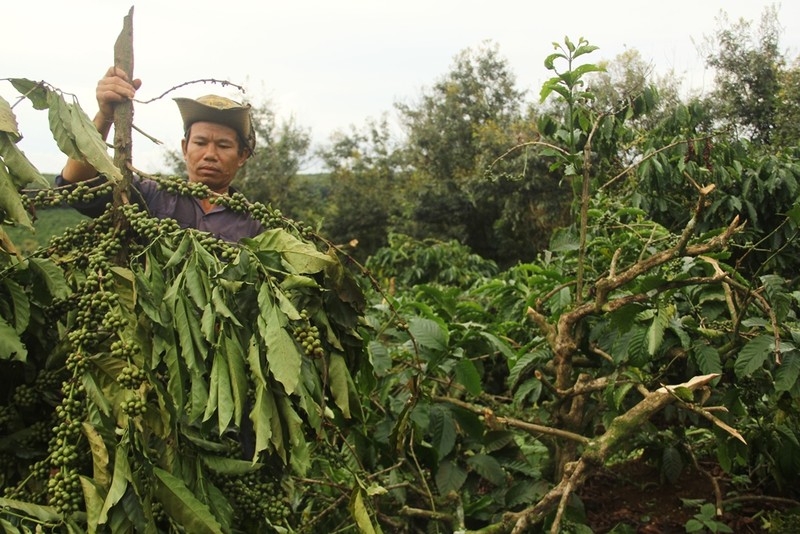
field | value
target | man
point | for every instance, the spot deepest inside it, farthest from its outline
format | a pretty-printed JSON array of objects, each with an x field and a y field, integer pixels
[{"x": 218, "y": 139}]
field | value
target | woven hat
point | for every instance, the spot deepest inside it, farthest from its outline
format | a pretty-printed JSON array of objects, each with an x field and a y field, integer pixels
[{"x": 220, "y": 110}]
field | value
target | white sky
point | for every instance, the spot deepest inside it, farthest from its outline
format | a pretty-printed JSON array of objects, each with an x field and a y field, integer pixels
[{"x": 330, "y": 63}]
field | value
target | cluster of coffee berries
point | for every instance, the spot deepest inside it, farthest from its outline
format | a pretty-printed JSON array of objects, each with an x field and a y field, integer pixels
[
  {"x": 146, "y": 227},
  {"x": 259, "y": 501},
  {"x": 307, "y": 336},
  {"x": 71, "y": 194},
  {"x": 63, "y": 488},
  {"x": 131, "y": 377},
  {"x": 134, "y": 406},
  {"x": 64, "y": 491}
]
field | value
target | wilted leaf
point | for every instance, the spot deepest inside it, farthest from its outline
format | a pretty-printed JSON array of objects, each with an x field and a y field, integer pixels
[
  {"x": 33, "y": 91},
  {"x": 19, "y": 166},
  {"x": 359, "y": 512},
  {"x": 46, "y": 514},
  {"x": 10, "y": 201},
  {"x": 303, "y": 257},
  {"x": 100, "y": 459},
  {"x": 8, "y": 122}
]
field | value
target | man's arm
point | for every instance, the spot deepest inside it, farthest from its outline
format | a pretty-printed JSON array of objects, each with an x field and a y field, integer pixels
[{"x": 112, "y": 89}]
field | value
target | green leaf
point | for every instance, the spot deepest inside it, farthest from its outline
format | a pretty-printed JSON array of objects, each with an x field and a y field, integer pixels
[
  {"x": 379, "y": 358},
  {"x": 549, "y": 61},
  {"x": 637, "y": 345},
  {"x": 584, "y": 49},
  {"x": 93, "y": 496},
  {"x": 22, "y": 306},
  {"x": 19, "y": 167},
  {"x": 266, "y": 423},
  {"x": 228, "y": 466},
  {"x": 467, "y": 375},
  {"x": 221, "y": 307},
  {"x": 183, "y": 326},
  {"x": 338, "y": 382},
  {"x": 234, "y": 353},
  {"x": 753, "y": 355},
  {"x": 449, "y": 477},
  {"x": 303, "y": 257},
  {"x": 428, "y": 333},
  {"x": 487, "y": 467},
  {"x": 443, "y": 430},
  {"x": 786, "y": 374},
  {"x": 11, "y": 347},
  {"x": 359, "y": 511},
  {"x": 61, "y": 125},
  {"x": 196, "y": 282},
  {"x": 671, "y": 464},
  {"x": 8, "y": 122},
  {"x": 620, "y": 392},
  {"x": 707, "y": 358},
  {"x": 523, "y": 363},
  {"x": 225, "y": 408},
  {"x": 91, "y": 144},
  {"x": 33, "y": 91},
  {"x": 294, "y": 425},
  {"x": 655, "y": 333},
  {"x": 10, "y": 200},
  {"x": 182, "y": 506},
  {"x": 283, "y": 356},
  {"x": 119, "y": 482},
  {"x": 47, "y": 514},
  {"x": 52, "y": 276}
]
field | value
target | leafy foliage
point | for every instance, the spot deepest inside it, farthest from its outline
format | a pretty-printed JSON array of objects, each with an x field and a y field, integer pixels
[{"x": 160, "y": 380}]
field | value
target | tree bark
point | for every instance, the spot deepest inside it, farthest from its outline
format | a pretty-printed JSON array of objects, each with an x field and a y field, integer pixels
[{"x": 123, "y": 112}]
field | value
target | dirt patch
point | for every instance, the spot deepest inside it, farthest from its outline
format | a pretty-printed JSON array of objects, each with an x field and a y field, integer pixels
[{"x": 634, "y": 494}]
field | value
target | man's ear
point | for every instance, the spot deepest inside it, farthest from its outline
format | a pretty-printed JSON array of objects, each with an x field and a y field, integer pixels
[{"x": 183, "y": 147}]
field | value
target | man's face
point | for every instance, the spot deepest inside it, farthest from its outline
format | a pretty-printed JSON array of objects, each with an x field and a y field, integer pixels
[{"x": 212, "y": 155}]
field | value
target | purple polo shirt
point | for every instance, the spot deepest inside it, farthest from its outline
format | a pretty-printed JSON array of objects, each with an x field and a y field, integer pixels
[{"x": 221, "y": 222}]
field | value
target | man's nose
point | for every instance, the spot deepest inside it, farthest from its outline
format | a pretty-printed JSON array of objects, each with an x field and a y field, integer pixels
[{"x": 210, "y": 152}]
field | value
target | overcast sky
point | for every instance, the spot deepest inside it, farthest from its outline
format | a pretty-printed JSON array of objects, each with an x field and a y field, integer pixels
[{"x": 330, "y": 64}]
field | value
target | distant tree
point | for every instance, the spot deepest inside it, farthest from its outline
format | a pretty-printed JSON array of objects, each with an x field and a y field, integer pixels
[
  {"x": 787, "y": 116},
  {"x": 365, "y": 180},
  {"x": 458, "y": 127},
  {"x": 748, "y": 64},
  {"x": 280, "y": 154},
  {"x": 628, "y": 76}
]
